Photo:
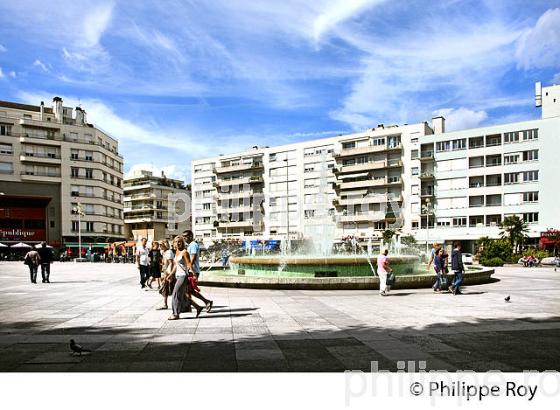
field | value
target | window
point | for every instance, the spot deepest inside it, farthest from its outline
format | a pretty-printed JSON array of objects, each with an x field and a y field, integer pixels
[
  {"x": 414, "y": 154},
  {"x": 74, "y": 154},
  {"x": 459, "y": 144},
  {"x": 414, "y": 141},
  {"x": 511, "y": 178},
  {"x": 531, "y": 196},
  {"x": 89, "y": 156},
  {"x": 348, "y": 145},
  {"x": 532, "y": 155},
  {"x": 89, "y": 209},
  {"x": 511, "y": 159},
  {"x": 75, "y": 190},
  {"x": 443, "y": 146},
  {"x": 6, "y": 149},
  {"x": 414, "y": 225},
  {"x": 460, "y": 221},
  {"x": 510, "y": 137},
  {"x": 530, "y": 176},
  {"x": 6, "y": 168},
  {"x": 378, "y": 141},
  {"x": 309, "y": 213},
  {"x": 5, "y": 129},
  {"x": 205, "y": 207},
  {"x": 89, "y": 226},
  {"x": 89, "y": 173},
  {"x": 531, "y": 217},
  {"x": 272, "y": 157},
  {"x": 27, "y": 116},
  {"x": 75, "y": 226},
  {"x": 415, "y": 171},
  {"x": 530, "y": 135},
  {"x": 75, "y": 172}
]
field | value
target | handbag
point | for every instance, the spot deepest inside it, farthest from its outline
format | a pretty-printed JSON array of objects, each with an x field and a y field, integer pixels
[
  {"x": 391, "y": 279},
  {"x": 444, "y": 282}
]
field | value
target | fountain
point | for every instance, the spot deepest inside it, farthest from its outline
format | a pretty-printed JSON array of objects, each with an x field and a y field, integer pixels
[{"x": 317, "y": 267}]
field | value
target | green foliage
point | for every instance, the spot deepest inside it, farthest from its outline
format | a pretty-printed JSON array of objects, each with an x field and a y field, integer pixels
[
  {"x": 514, "y": 229},
  {"x": 388, "y": 235},
  {"x": 408, "y": 240},
  {"x": 537, "y": 253},
  {"x": 496, "y": 261},
  {"x": 496, "y": 248}
]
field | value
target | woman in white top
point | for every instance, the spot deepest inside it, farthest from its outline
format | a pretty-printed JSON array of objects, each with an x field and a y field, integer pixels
[
  {"x": 181, "y": 267},
  {"x": 168, "y": 281}
]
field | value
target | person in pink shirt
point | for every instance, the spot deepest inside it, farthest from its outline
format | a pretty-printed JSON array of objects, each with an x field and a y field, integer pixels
[{"x": 383, "y": 269}]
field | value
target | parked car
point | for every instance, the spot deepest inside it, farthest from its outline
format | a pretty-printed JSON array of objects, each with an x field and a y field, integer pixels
[
  {"x": 467, "y": 259},
  {"x": 554, "y": 261}
]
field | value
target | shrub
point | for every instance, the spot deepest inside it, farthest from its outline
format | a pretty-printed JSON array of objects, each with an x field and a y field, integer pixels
[
  {"x": 496, "y": 261},
  {"x": 499, "y": 248},
  {"x": 537, "y": 253}
]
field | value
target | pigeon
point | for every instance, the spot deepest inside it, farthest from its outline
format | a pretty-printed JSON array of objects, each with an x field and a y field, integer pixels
[
  {"x": 507, "y": 299},
  {"x": 76, "y": 348}
]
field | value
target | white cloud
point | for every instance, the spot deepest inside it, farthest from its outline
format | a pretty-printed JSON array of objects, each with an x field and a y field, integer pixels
[
  {"x": 336, "y": 13},
  {"x": 12, "y": 74},
  {"x": 40, "y": 64},
  {"x": 3, "y": 49},
  {"x": 95, "y": 23},
  {"x": 461, "y": 118},
  {"x": 556, "y": 78},
  {"x": 1, "y": 73},
  {"x": 539, "y": 47}
]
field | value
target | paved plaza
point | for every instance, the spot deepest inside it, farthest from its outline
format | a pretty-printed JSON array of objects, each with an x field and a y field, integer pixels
[{"x": 102, "y": 307}]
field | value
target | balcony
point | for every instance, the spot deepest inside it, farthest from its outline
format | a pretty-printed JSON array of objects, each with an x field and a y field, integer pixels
[
  {"x": 28, "y": 122},
  {"x": 361, "y": 184},
  {"x": 360, "y": 150},
  {"x": 239, "y": 181},
  {"x": 239, "y": 167},
  {"x": 362, "y": 217},
  {"x": 40, "y": 157},
  {"x": 40, "y": 176},
  {"x": 239, "y": 224},
  {"x": 368, "y": 166},
  {"x": 426, "y": 156},
  {"x": 426, "y": 193},
  {"x": 427, "y": 175}
]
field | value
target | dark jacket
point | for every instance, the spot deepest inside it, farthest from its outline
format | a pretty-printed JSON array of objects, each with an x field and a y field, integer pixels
[
  {"x": 45, "y": 254},
  {"x": 438, "y": 263},
  {"x": 457, "y": 260}
]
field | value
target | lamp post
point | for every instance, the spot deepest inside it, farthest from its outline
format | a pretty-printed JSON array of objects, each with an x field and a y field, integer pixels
[
  {"x": 428, "y": 210},
  {"x": 79, "y": 210},
  {"x": 288, "y": 247}
]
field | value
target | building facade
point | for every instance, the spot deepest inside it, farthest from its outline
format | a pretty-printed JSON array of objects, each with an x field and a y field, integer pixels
[
  {"x": 155, "y": 207},
  {"x": 51, "y": 160},
  {"x": 413, "y": 179}
]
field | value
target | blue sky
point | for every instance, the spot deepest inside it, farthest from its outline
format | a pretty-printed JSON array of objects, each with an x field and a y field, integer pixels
[{"x": 180, "y": 80}]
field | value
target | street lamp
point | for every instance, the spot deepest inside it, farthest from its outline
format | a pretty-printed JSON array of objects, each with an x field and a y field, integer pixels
[
  {"x": 428, "y": 210},
  {"x": 287, "y": 205},
  {"x": 79, "y": 210}
]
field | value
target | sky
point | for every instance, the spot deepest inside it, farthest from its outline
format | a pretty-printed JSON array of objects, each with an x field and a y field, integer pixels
[{"x": 180, "y": 80}]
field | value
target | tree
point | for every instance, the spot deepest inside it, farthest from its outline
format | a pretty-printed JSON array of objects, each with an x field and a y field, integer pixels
[
  {"x": 408, "y": 241},
  {"x": 553, "y": 236},
  {"x": 514, "y": 229},
  {"x": 388, "y": 235}
]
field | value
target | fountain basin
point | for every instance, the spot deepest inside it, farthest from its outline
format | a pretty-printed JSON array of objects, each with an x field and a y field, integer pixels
[{"x": 319, "y": 267}]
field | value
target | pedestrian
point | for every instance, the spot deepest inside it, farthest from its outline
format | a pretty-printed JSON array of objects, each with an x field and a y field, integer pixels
[
  {"x": 458, "y": 269},
  {"x": 181, "y": 267},
  {"x": 194, "y": 253},
  {"x": 46, "y": 259},
  {"x": 168, "y": 282},
  {"x": 32, "y": 260},
  {"x": 155, "y": 265},
  {"x": 383, "y": 269},
  {"x": 439, "y": 269},
  {"x": 142, "y": 260},
  {"x": 435, "y": 247},
  {"x": 225, "y": 257}
]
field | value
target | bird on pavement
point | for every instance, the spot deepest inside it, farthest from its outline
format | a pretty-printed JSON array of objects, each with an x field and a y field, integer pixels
[
  {"x": 507, "y": 299},
  {"x": 76, "y": 348}
]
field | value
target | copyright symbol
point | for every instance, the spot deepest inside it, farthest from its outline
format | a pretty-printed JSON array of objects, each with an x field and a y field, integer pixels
[{"x": 416, "y": 389}]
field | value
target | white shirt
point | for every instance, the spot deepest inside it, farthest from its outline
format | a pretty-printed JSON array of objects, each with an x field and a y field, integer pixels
[
  {"x": 181, "y": 267},
  {"x": 144, "y": 254}
]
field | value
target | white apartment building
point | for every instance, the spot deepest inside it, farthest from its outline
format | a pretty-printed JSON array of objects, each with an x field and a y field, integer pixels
[
  {"x": 471, "y": 180},
  {"x": 349, "y": 178},
  {"x": 157, "y": 204},
  {"x": 51, "y": 159},
  {"x": 447, "y": 185}
]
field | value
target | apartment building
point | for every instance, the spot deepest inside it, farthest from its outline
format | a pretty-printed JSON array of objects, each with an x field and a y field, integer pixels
[
  {"x": 357, "y": 181},
  {"x": 471, "y": 180},
  {"x": 414, "y": 179},
  {"x": 51, "y": 160},
  {"x": 155, "y": 206}
]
